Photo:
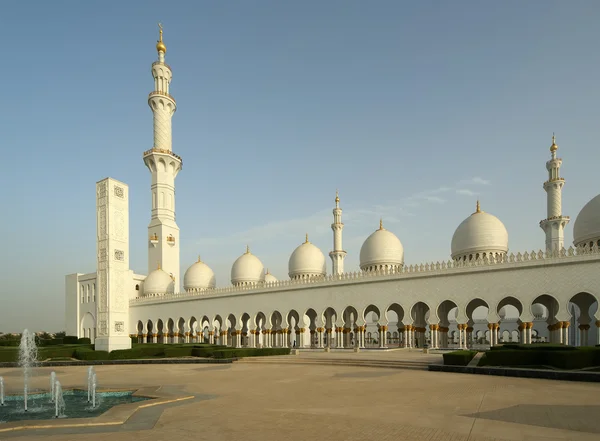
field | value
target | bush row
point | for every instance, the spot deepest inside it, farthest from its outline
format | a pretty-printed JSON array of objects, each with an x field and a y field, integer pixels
[
  {"x": 459, "y": 358},
  {"x": 41, "y": 342},
  {"x": 563, "y": 359},
  {"x": 534, "y": 347},
  {"x": 87, "y": 352},
  {"x": 249, "y": 352}
]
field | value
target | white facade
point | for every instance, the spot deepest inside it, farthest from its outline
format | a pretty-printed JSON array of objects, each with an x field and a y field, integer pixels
[{"x": 553, "y": 294}]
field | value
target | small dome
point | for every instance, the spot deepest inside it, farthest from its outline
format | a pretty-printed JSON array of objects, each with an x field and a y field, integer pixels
[
  {"x": 198, "y": 277},
  {"x": 479, "y": 233},
  {"x": 270, "y": 278},
  {"x": 307, "y": 261},
  {"x": 381, "y": 250},
  {"x": 247, "y": 269},
  {"x": 538, "y": 310},
  {"x": 587, "y": 223},
  {"x": 158, "y": 282}
]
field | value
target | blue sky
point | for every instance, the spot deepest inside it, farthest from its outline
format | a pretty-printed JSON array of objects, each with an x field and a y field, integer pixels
[{"x": 412, "y": 109}]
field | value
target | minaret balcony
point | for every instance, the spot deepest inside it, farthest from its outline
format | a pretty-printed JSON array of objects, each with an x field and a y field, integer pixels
[
  {"x": 154, "y": 239},
  {"x": 159, "y": 93},
  {"x": 171, "y": 240},
  {"x": 163, "y": 151},
  {"x": 162, "y": 63}
]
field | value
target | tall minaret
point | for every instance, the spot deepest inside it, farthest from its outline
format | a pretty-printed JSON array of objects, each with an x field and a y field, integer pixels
[
  {"x": 554, "y": 225},
  {"x": 338, "y": 254},
  {"x": 163, "y": 232}
]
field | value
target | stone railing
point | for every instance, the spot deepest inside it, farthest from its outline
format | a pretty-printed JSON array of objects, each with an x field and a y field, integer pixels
[{"x": 432, "y": 268}]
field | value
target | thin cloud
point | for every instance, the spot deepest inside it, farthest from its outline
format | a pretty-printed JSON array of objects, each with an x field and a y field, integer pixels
[
  {"x": 466, "y": 192},
  {"x": 319, "y": 222},
  {"x": 475, "y": 181}
]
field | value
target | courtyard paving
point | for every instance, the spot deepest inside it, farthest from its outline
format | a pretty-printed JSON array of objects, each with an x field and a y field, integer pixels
[{"x": 254, "y": 401}]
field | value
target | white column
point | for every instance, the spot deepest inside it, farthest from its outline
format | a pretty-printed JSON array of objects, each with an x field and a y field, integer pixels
[{"x": 566, "y": 330}]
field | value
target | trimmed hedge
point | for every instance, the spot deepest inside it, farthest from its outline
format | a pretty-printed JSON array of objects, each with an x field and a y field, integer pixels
[
  {"x": 70, "y": 339},
  {"x": 84, "y": 341},
  {"x": 89, "y": 354},
  {"x": 249, "y": 352},
  {"x": 10, "y": 343},
  {"x": 534, "y": 347},
  {"x": 11, "y": 354},
  {"x": 459, "y": 358},
  {"x": 575, "y": 358},
  {"x": 50, "y": 341}
]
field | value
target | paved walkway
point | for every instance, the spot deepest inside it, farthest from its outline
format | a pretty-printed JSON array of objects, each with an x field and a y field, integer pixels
[{"x": 247, "y": 401}]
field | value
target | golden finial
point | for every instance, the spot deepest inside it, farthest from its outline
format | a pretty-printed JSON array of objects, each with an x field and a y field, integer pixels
[
  {"x": 306, "y": 241},
  {"x": 478, "y": 207},
  {"x": 381, "y": 224},
  {"x": 267, "y": 271},
  {"x": 247, "y": 249},
  {"x": 553, "y": 147},
  {"x": 199, "y": 260},
  {"x": 158, "y": 265},
  {"x": 160, "y": 46},
  {"x": 337, "y": 196}
]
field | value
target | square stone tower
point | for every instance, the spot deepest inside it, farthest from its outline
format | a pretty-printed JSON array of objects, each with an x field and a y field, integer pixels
[{"x": 112, "y": 246}]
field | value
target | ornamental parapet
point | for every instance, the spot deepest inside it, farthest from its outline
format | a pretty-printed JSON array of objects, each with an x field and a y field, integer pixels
[
  {"x": 526, "y": 259},
  {"x": 163, "y": 151}
]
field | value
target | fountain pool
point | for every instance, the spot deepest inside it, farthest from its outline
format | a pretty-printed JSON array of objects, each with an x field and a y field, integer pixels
[{"x": 40, "y": 406}]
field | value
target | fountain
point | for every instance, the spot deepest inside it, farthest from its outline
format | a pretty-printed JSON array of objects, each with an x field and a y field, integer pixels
[
  {"x": 59, "y": 402},
  {"x": 27, "y": 357},
  {"x": 89, "y": 382},
  {"x": 52, "y": 385},
  {"x": 93, "y": 391},
  {"x": 44, "y": 405}
]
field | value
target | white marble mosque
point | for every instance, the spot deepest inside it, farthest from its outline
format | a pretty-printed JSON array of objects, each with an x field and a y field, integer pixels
[{"x": 480, "y": 295}]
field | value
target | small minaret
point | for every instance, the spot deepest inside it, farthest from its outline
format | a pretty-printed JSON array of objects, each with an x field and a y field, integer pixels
[
  {"x": 163, "y": 232},
  {"x": 338, "y": 254},
  {"x": 554, "y": 225}
]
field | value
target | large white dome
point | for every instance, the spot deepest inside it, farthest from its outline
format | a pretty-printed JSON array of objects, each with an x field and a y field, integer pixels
[
  {"x": 198, "y": 277},
  {"x": 270, "y": 278},
  {"x": 587, "y": 223},
  {"x": 381, "y": 250},
  {"x": 480, "y": 233},
  {"x": 247, "y": 270},
  {"x": 307, "y": 261},
  {"x": 158, "y": 282}
]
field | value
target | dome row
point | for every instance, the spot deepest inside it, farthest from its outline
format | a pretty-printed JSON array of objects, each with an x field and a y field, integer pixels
[{"x": 479, "y": 235}]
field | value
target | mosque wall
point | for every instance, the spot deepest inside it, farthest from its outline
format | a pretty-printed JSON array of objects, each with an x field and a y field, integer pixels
[{"x": 560, "y": 278}]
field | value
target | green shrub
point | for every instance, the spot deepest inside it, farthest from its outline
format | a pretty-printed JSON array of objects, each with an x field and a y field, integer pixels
[
  {"x": 89, "y": 354},
  {"x": 50, "y": 341},
  {"x": 571, "y": 358},
  {"x": 11, "y": 343},
  {"x": 9, "y": 355},
  {"x": 534, "y": 347},
  {"x": 249, "y": 352},
  {"x": 84, "y": 341},
  {"x": 179, "y": 352},
  {"x": 125, "y": 354},
  {"x": 459, "y": 358},
  {"x": 203, "y": 352},
  {"x": 70, "y": 340}
]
